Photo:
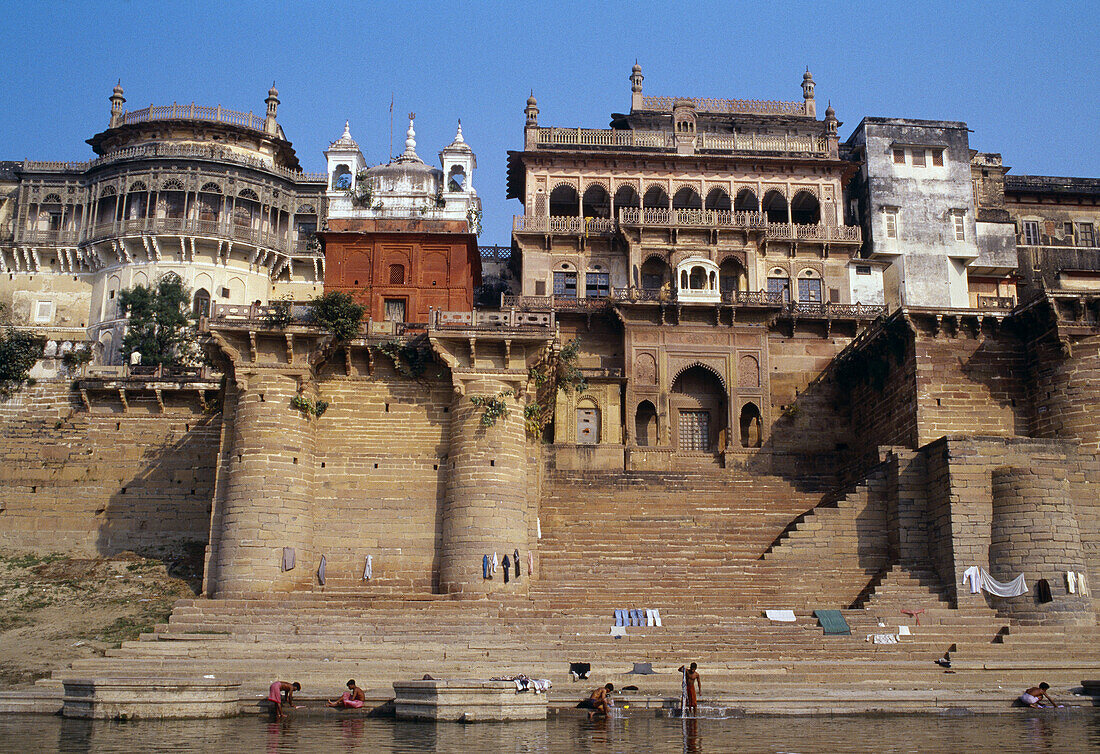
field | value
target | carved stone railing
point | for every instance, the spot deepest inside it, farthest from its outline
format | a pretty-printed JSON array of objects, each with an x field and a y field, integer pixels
[
  {"x": 257, "y": 314},
  {"x": 699, "y": 218},
  {"x": 819, "y": 232},
  {"x": 643, "y": 294},
  {"x": 754, "y": 142},
  {"x": 215, "y": 114},
  {"x": 666, "y": 140},
  {"x": 179, "y": 226},
  {"x": 51, "y": 237},
  {"x": 996, "y": 302},
  {"x": 495, "y": 253},
  {"x": 577, "y": 226},
  {"x": 742, "y": 106},
  {"x": 211, "y": 152},
  {"x": 605, "y": 137},
  {"x": 754, "y": 298},
  {"x": 554, "y": 303},
  {"x": 489, "y": 320}
]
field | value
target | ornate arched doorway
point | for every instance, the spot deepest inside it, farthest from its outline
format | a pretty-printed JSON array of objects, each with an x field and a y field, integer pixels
[{"x": 698, "y": 406}]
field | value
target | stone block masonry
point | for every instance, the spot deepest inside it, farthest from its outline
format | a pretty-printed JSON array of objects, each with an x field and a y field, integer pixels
[{"x": 121, "y": 476}]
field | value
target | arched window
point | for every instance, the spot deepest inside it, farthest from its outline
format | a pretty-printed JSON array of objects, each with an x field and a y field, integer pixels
[
  {"x": 751, "y": 431},
  {"x": 779, "y": 283},
  {"x": 597, "y": 202},
  {"x": 775, "y": 207},
  {"x": 805, "y": 209},
  {"x": 201, "y": 304},
  {"x": 341, "y": 178},
  {"x": 563, "y": 201},
  {"x": 626, "y": 196},
  {"x": 684, "y": 280},
  {"x": 809, "y": 287},
  {"x": 698, "y": 279},
  {"x": 588, "y": 422},
  {"x": 645, "y": 424},
  {"x": 655, "y": 273},
  {"x": 746, "y": 201},
  {"x": 456, "y": 178},
  {"x": 687, "y": 198},
  {"x": 136, "y": 200},
  {"x": 397, "y": 274},
  {"x": 698, "y": 401},
  {"x": 655, "y": 198},
  {"x": 210, "y": 202},
  {"x": 718, "y": 199},
  {"x": 729, "y": 276}
]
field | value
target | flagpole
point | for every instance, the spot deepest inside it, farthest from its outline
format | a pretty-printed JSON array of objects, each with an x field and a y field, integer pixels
[{"x": 390, "y": 157}]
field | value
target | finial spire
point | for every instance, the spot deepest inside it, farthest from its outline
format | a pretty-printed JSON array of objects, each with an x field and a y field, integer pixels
[
  {"x": 458, "y": 136},
  {"x": 410, "y": 142}
]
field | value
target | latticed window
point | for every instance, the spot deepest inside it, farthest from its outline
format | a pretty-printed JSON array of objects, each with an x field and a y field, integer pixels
[
  {"x": 891, "y": 218},
  {"x": 694, "y": 430},
  {"x": 780, "y": 285},
  {"x": 809, "y": 291},
  {"x": 958, "y": 223},
  {"x": 899, "y": 156},
  {"x": 597, "y": 285},
  {"x": 918, "y": 158},
  {"x": 1086, "y": 234},
  {"x": 565, "y": 284},
  {"x": 397, "y": 274}
]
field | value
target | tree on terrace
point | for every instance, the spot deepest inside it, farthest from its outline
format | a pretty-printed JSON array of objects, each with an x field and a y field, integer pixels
[{"x": 161, "y": 326}]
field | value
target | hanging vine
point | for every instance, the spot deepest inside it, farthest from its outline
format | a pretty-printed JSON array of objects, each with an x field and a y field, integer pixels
[
  {"x": 411, "y": 358},
  {"x": 494, "y": 405},
  {"x": 555, "y": 371}
]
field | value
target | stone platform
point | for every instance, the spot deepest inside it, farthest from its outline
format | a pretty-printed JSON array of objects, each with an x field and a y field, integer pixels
[
  {"x": 466, "y": 701},
  {"x": 149, "y": 698}
]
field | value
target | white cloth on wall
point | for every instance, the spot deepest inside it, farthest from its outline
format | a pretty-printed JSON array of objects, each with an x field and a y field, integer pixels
[
  {"x": 368, "y": 568},
  {"x": 618, "y": 631},
  {"x": 882, "y": 638},
  {"x": 530, "y": 564},
  {"x": 1082, "y": 584},
  {"x": 538, "y": 528},
  {"x": 972, "y": 577},
  {"x": 321, "y": 571},
  {"x": 1071, "y": 582},
  {"x": 904, "y": 631},
  {"x": 978, "y": 578},
  {"x": 494, "y": 562},
  {"x": 288, "y": 558}
]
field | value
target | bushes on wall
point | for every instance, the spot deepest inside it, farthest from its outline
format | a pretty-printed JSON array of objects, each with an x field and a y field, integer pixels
[{"x": 338, "y": 313}]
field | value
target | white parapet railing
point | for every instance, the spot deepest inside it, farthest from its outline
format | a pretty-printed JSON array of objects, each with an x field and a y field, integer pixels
[
  {"x": 493, "y": 319},
  {"x": 629, "y": 139},
  {"x": 700, "y": 218}
]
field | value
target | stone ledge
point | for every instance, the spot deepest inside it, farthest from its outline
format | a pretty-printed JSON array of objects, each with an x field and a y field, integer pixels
[
  {"x": 466, "y": 701},
  {"x": 149, "y": 698}
]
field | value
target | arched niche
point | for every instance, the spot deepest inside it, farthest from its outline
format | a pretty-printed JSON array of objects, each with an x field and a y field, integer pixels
[
  {"x": 597, "y": 202},
  {"x": 655, "y": 198},
  {"x": 751, "y": 426},
  {"x": 775, "y": 207},
  {"x": 564, "y": 201},
  {"x": 698, "y": 405},
  {"x": 645, "y": 424},
  {"x": 588, "y": 422},
  {"x": 718, "y": 199},
  {"x": 805, "y": 209},
  {"x": 746, "y": 201}
]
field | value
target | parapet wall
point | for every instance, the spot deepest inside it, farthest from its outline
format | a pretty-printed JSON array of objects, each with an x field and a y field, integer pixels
[{"x": 134, "y": 475}]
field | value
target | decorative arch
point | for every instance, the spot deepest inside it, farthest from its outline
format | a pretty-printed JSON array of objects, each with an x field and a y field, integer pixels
[
  {"x": 597, "y": 201},
  {"x": 655, "y": 197},
  {"x": 306, "y": 209},
  {"x": 108, "y": 191},
  {"x": 775, "y": 206},
  {"x": 172, "y": 185},
  {"x": 718, "y": 199},
  {"x": 564, "y": 200},
  {"x": 805, "y": 208},
  {"x": 588, "y": 421},
  {"x": 645, "y": 369},
  {"x": 210, "y": 187},
  {"x": 687, "y": 197},
  {"x": 51, "y": 199},
  {"x": 751, "y": 425},
  {"x": 746, "y": 201},
  {"x": 710, "y": 368},
  {"x": 137, "y": 186},
  {"x": 748, "y": 371},
  {"x": 456, "y": 178},
  {"x": 248, "y": 193},
  {"x": 646, "y": 424},
  {"x": 341, "y": 177}
]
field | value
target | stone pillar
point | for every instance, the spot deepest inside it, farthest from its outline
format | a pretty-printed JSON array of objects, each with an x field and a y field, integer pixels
[
  {"x": 486, "y": 504},
  {"x": 267, "y": 497},
  {"x": 1034, "y": 531}
]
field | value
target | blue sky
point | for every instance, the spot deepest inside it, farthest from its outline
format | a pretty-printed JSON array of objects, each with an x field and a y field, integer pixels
[{"x": 1022, "y": 75}]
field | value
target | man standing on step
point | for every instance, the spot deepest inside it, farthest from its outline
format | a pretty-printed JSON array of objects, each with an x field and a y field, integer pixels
[{"x": 691, "y": 682}]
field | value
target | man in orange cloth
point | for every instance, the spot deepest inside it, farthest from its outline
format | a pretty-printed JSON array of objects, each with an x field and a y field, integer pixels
[{"x": 691, "y": 681}]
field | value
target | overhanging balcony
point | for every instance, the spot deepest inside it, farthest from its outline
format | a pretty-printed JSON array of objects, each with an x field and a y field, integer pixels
[{"x": 179, "y": 226}]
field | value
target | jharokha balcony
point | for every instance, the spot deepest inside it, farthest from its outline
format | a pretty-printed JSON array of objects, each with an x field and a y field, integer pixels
[{"x": 634, "y": 217}]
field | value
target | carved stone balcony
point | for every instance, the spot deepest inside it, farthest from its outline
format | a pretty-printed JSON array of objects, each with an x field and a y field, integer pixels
[
  {"x": 572, "y": 226},
  {"x": 690, "y": 218},
  {"x": 179, "y": 226}
]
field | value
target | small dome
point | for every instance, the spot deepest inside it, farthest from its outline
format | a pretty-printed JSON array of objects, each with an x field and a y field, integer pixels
[
  {"x": 637, "y": 68},
  {"x": 345, "y": 142},
  {"x": 807, "y": 76},
  {"x": 118, "y": 89},
  {"x": 272, "y": 92},
  {"x": 830, "y": 112},
  {"x": 459, "y": 143},
  {"x": 531, "y": 100}
]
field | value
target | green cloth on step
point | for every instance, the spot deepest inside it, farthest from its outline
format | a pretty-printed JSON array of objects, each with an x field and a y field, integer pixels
[{"x": 833, "y": 622}]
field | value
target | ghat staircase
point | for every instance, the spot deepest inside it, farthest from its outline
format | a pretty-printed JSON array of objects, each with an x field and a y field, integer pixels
[{"x": 710, "y": 549}]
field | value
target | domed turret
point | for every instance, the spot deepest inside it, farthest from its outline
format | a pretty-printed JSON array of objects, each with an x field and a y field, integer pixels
[
  {"x": 532, "y": 111},
  {"x": 117, "y": 100},
  {"x": 636, "y": 79},
  {"x": 272, "y": 101},
  {"x": 808, "y": 93}
]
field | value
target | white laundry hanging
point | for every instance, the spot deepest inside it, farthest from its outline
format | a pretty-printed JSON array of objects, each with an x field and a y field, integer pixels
[
  {"x": 368, "y": 568},
  {"x": 1071, "y": 582},
  {"x": 983, "y": 580}
]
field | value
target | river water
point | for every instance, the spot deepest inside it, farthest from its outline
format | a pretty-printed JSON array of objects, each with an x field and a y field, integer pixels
[{"x": 1059, "y": 731}]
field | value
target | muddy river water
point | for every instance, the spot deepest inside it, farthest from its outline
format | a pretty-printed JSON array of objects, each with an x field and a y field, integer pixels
[{"x": 1024, "y": 731}]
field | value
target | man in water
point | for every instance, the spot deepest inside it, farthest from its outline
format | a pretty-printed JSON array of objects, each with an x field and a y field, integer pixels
[
  {"x": 275, "y": 695},
  {"x": 691, "y": 681},
  {"x": 597, "y": 701},
  {"x": 1033, "y": 695},
  {"x": 353, "y": 698}
]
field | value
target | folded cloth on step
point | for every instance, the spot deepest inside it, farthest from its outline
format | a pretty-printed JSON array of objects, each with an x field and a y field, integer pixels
[
  {"x": 904, "y": 631},
  {"x": 882, "y": 638},
  {"x": 780, "y": 616},
  {"x": 643, "y": 668},
  {"x": 833, "y": 622},
  {"x": 540, "y": 685},
  {"x": 618, "y": 631}
]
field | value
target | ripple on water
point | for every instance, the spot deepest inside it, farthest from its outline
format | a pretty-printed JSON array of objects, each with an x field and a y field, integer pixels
[{"x": 1024, "y": 731}]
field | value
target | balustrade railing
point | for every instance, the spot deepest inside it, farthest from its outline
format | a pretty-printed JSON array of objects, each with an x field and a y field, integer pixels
[
  {"x": 189, "y": 227},
  {"x": 579, "y": 226},
  {"x": 210, "y": 152},
  {"x": 626, "y": 138},
  {"x": 215, "y": 114},
  {"x": 706, "y": 218},
  {"x": 59, "y": 237},
  {"x": 819, "y": 232},
  {"x": 488, "y": 319},
  {"x": 558, "y": 303}
]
